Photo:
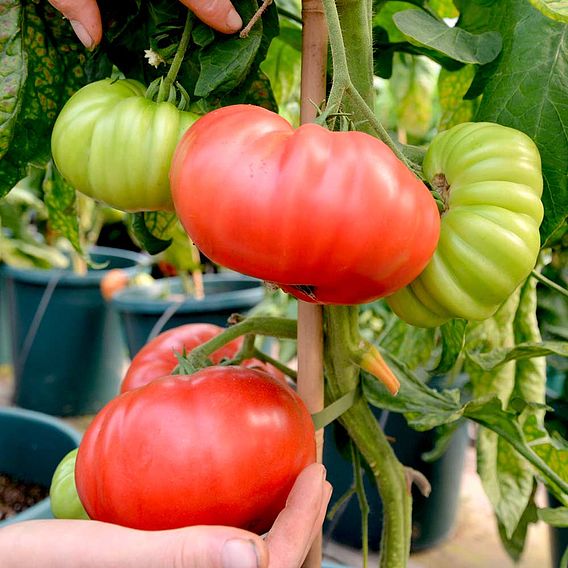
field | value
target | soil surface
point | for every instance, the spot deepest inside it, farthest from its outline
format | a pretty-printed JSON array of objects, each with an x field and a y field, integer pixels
[{"x": 16, "y": 496}]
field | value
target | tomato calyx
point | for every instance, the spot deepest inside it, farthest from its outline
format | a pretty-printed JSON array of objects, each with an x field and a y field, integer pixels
[
  {"x": 370, "y": 359},
  {"x": 442, "y": 188}
]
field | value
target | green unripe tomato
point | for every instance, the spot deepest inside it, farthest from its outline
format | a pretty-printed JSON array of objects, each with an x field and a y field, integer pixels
[
  {"x": 65, "y": 503},
  {"x": 114, "y": 145},
  {"x": 490, "y": 179}
]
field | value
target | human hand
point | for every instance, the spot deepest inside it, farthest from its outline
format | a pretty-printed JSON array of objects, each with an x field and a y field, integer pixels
[
  {"x": 91, "y": 544},
  {"x": 85, "y": 18}
]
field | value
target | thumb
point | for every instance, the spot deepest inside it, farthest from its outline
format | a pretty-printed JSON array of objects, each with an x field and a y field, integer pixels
[
  {"x": 219, "y": 14},
  {"x": 214, "y": 547},
  {"x": 84, "y": 17}
]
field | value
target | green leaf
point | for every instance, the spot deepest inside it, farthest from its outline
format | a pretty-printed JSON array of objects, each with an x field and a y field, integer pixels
[
  {"x": 411, "y": 345},
  {"x": 506, "y": 478},
  {"x": 148, "y": 230},
  {"x": 444, "y": 435},
  {"x": 226, "y": 63},
  {"x": 443, "y": 8},
  {"x": 553, "y": 450},
  {"x": 423, "y": 407},
  {"x": 283, "y": 67},
  {"x": 384, "y": 19},
  {"x": 526, "y": 89},
  {"x": 202, "y": 34},
  {"x": 456, "y": 43},
  {"x": 260, "y": 93},
  {"x": 554, "y": 9},
  {"x": 452, "y": 86},
  {"x": 498, "y": 357},
  {"x": 452, "y": 336},
  {"x": 555, "y": 517},
  {"x": 61, "y": 202},
  {"x": 515, "y": 543},
  {"x": 54, "y": 68},
  {"x": 489, "y": 412},
  {"x": 12, "y": 70}
]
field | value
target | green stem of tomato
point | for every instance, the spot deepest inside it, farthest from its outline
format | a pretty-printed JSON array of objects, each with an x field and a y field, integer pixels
[
  {"x": 363, "y": 502},
  {"x": 356, "y": 18},
  {"x": 342, "y": 340},
  {"x": 170, "y": 78},
  {"x": 550, "y": 283},
  {"x": 283, "y": 328},
  {"x": 262, "y": 356}
]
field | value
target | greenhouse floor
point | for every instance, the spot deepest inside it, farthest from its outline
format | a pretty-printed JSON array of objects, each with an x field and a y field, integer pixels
[{"x": 474, "y": 543}]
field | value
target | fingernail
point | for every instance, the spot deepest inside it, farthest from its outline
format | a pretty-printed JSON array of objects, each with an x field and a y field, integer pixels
[
  {"x": 239, "y": 553},
  {"x": 234, "y": 21},
  {"x": 82, "y": 34}
]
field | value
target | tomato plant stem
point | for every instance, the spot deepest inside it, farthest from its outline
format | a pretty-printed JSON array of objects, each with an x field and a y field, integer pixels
[
  {"x": 170, "y": 78},
  {"x": 550, "y": 283},
  {"x": 357, "y": 24},
  {"x": 262, "y": 356},
  {"x": 363, "y": 502},
  {"x": 341, "y": 340},
  {"x": 258, "y": 325}
]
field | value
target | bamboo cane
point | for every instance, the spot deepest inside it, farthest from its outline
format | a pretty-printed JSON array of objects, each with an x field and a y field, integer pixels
[{"x": 310, "y": 333}]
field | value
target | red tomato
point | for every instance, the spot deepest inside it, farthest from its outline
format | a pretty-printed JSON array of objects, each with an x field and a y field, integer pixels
[
  {"x": 158, "y": 357},
  {"x": 332, "y": 217},
  {"x": 266, "y": 367},
  {"x": 220, "y": 447}
]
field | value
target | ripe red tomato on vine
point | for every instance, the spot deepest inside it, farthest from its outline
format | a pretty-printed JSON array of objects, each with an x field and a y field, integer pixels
[
  {"x": 331, "y": 217},
  {"x": 158, "y": 358},
  {"x": 220, "y": 447}
]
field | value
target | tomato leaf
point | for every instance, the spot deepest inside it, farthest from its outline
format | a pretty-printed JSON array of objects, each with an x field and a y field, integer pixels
[
  {"x": 226, "y": 63},
  {"x": 525, "y": 96},
  {"x": 443, "y": 8},
  {"x": 61, "y": 202},
  {"x": 411, "y": 345},
  {"x": 456, "y": 43},
  {"x": 554, "y": 9},
  {"x": 548, "y": 455},
  {"x": 423, "y": 407},
  {"x": 148, "y": 230},
  {"x": 452, "y": 86},
  {"x": 452, "y": 336},
  {"x": 46, "y": 68},
  {"x": 494, "y": 359},
  {"x": 514, "y": 543},
  {"x": 506, "y": 479},
  {"x": 12, "y": 70},
  {"x": 202, "y": 35},
  {"x": 282, "y": 66},
  {"x": 555, "y": 517}
]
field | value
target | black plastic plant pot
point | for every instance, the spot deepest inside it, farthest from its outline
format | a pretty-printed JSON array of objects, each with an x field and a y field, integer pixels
[
  {"x": 145, "y": 311},
  {"x": 433, "y": 518},
  {"x": 67, "y": 348},
  {"x": 31, "y": 446}
]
